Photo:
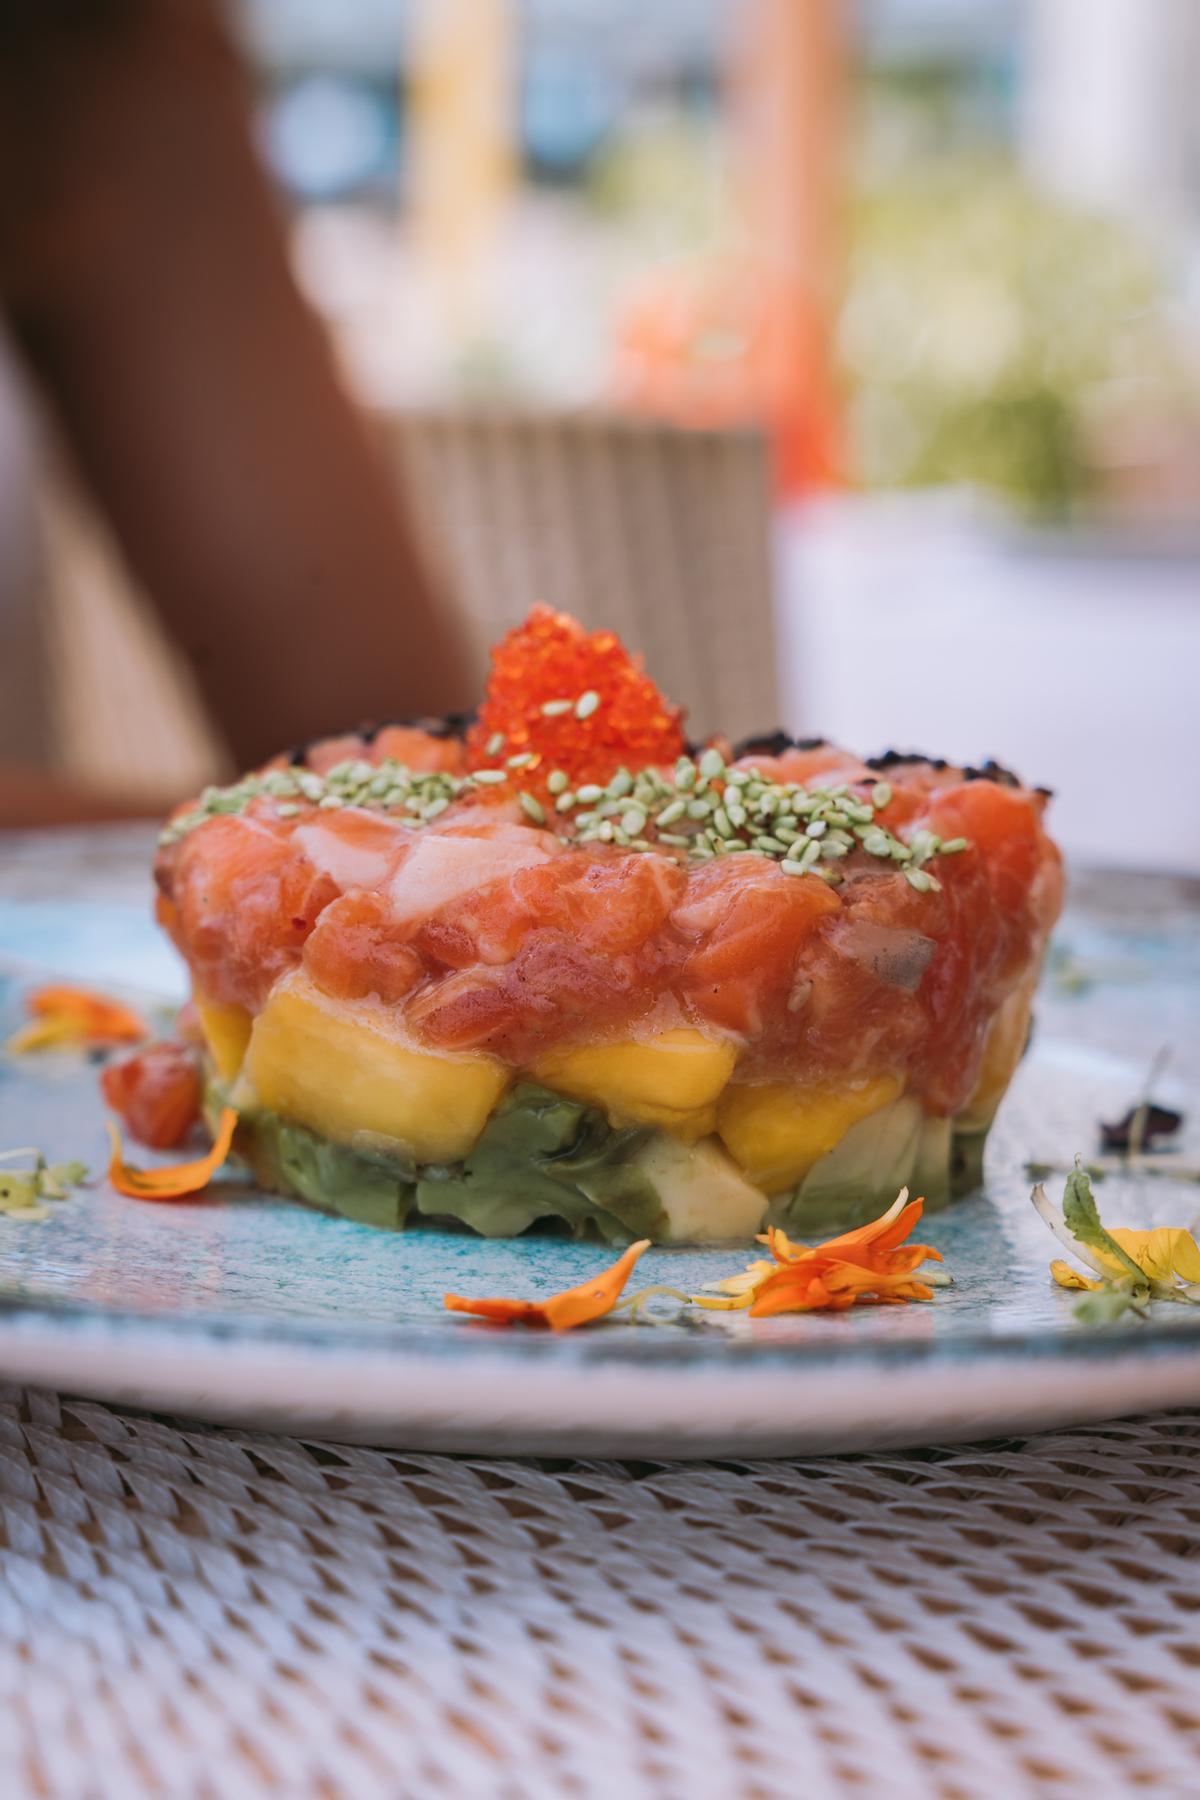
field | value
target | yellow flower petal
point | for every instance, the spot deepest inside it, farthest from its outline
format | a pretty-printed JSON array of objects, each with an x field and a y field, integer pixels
[
  {"x": 1163, "y": 1254},
  {"x": 1067, "y": 1277},
  {"x": 43, "y": 1034},
  {"x": 744, "y": 1283}
]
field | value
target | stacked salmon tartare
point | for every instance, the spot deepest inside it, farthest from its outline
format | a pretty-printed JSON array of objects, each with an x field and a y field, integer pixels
[{"x": 555, "y": 964}]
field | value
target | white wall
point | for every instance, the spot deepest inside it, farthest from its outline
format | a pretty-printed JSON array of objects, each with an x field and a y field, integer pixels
[{"x": 911, "y": 623}]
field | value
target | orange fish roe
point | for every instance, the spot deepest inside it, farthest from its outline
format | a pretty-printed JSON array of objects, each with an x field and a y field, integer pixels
[{"x": 575, "y": 701}]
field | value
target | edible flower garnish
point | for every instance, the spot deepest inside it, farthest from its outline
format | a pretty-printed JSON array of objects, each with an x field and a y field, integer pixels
[
  {"x": 871, "y": 1266},
  {"x": 177, "y": 1180},
  {"x": 63, "y": 1017},
  {"x": 576, "y": 1306},
  {"x": 24, "y": 1191},
  {"x": 1130, "y": 1268}
]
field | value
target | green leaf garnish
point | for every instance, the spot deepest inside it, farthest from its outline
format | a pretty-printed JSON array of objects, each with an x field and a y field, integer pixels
[
  {"x": 1082, "y": 1218},
  {"x": 1122, "y": 1284},
  {"x": 24, "y": 1191}
]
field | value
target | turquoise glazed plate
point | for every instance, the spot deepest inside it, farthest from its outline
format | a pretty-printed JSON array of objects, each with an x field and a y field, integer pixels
[{"x": 238, "y": 1307}]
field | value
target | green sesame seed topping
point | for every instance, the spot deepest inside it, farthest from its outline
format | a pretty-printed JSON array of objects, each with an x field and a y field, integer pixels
[{"x": 724, "y": 812}]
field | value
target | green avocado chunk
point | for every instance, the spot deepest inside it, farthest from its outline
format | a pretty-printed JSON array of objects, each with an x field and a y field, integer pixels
[
  {"x": 898, "y": 1146},
  {"x": 541, "y": 1156},
  {"x": 339, "y": 1179}
]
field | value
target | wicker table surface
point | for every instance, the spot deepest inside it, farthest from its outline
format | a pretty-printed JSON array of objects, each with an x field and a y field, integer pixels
[{"x": 191, "y": 1611}]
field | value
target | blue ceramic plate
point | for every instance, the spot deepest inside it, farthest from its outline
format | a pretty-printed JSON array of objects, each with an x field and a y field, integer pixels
[{"x": 245, "y": 1308}]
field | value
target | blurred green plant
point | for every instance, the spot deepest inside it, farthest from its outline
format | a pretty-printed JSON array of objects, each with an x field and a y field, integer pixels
[
  {"x": 664, "y": 178},
  {"x": 981, "y": 322}
]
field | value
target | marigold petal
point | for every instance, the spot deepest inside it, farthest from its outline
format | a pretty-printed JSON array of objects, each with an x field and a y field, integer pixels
[
  {"x": 43, "y": 1034},
  {"x": 178, "y": 1180},
  {"x": 500, "y": 1312},
  {"x": 1067, "y": 1277},
  {"x": 561, "y": 1312},
  {"x": 60, "y": 1014},
  {"x": 822, "y": 1282}
]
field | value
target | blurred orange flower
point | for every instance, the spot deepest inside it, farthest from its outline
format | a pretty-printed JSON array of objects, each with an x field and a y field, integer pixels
[{"x": 64, "y": 1017}]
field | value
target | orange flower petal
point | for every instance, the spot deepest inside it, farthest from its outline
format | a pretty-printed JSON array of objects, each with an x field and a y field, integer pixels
[
  {"x": 69, "y": 1015},
  {"x": 176, "y": 1181},
  {"x": 576, "y": 1306},
  {"x": 803, "y": 1288},
  {"x": 882, "y": 1235},
  {"x": 868, "y": 1266}
]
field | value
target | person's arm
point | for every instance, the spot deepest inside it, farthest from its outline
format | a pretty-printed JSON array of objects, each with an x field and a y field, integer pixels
[{"x": 144, "y": 269}]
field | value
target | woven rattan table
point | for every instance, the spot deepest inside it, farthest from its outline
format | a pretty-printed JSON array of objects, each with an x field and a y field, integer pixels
[
  {"x": 196, "y": 1612},
  {"x": 191, "y": 1611}
]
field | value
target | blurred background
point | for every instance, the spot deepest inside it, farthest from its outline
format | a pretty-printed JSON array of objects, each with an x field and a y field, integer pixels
[{"x": 843, "y": 354}]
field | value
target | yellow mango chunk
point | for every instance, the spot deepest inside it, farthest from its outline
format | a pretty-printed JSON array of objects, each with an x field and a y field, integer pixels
[
  {"x": 226, "y": 1032},
  {"x": 672, "y": 1080},
  {"x": 336, "y": 1069},
  {"x": 778, "y": 1130}
]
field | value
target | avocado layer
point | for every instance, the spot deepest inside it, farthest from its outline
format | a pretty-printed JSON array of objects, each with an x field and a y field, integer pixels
[{"x": 544, "y": 1157}]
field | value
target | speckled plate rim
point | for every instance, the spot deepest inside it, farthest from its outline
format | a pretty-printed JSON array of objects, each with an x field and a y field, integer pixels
[{"x": 371, "y": 1393}]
